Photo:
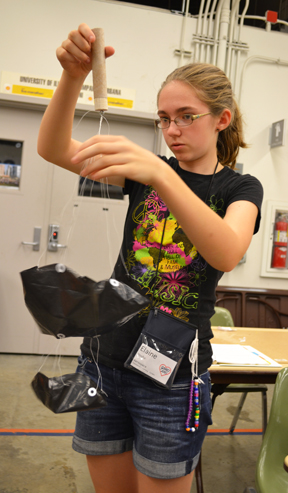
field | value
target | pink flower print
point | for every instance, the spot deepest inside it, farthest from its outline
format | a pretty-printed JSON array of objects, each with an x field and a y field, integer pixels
[{"x": 165, "y": 309}]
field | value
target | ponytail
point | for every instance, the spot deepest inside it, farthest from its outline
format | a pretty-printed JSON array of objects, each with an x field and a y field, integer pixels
[{"x": 231, "y": 139}]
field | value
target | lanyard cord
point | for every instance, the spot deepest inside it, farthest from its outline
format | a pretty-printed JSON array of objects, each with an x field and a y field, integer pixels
[
  {"x": 193, "y": 352},
  {"x": 199, "y": 260},
  {"x": 158, "y": 261},
  {"x": 161, "y": 244}
]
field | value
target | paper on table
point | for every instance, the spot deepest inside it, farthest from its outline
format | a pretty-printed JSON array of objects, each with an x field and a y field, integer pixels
[{"x": 238, "y": 355}]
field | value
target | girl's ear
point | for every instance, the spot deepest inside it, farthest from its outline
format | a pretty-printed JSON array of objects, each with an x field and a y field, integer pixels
[{"x": 224, "y": 120}]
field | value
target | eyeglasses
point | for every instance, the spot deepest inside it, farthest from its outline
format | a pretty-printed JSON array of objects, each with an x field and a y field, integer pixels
[{"x": 181, "y": 121}]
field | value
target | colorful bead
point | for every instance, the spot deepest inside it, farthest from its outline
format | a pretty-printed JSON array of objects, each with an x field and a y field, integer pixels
[
  {"x": 190, "y": 406},
  {"x": 194, "y": 395}
]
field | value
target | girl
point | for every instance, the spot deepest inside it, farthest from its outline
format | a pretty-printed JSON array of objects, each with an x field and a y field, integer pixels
[{"x": 190, "y": 219}]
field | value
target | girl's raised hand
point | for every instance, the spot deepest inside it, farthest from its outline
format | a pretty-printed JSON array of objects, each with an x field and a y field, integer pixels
[
  {"x": 75, "y": 52},
  {"x": 108, "y": 156}
]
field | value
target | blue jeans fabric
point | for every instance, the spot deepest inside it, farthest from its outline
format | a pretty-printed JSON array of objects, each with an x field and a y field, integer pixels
[{"x": 144, "y": 417}]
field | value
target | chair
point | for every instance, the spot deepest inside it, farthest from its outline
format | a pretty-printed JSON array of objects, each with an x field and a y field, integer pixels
[
  {"x": 223, "y": 317},
  {"x": 271, "y": 469}
]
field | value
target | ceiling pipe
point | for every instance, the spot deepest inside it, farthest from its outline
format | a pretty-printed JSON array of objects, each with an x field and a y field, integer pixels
[
  {"x": 223, "y": 34},
  {"x": 198, "y": 32},
  {"x": 183, "y": 32},
  {"x": 204, "y": 31},
  {"x": 261, "y": 18},
  {"x": 209, "y": 32},
  {"x": 255, "y": 58},
  {"x": 235, "y": 81},
  {"x": 216, "y": 29},
  {"x": 235, "y": 8}
]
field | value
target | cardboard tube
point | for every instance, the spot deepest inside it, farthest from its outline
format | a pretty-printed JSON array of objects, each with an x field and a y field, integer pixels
[{"x": 99, "y": 71}]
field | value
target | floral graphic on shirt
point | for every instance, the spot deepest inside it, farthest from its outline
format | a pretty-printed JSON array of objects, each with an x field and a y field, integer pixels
[
  {"x": 217, "y": 205},
  {"x": 180, "y": 268}
]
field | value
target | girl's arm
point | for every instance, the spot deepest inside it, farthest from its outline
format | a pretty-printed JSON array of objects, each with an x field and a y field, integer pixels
[
  {"x": 55, "y": 143},
  {"x": 222, "y": 242}
]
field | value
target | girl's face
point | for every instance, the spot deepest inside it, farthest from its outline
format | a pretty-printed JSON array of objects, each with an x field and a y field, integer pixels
[{"x": 195, "y": 145}]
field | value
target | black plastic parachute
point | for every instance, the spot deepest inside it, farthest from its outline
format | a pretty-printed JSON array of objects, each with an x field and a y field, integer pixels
[
  {"x": 68, "y": 393},
  {"x": 64, "y": 304}
]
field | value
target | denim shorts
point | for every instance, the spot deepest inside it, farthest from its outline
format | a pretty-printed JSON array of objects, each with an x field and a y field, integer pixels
[{"x": 144, "y": 417}]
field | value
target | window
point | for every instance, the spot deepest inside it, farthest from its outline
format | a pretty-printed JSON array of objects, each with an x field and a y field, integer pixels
[
  {"x": 90, "y": 188},
  {"x": 10, "y": 163}
]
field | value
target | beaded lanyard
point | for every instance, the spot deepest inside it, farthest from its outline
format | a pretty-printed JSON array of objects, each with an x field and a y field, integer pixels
[{"x": 194, "y": 403}]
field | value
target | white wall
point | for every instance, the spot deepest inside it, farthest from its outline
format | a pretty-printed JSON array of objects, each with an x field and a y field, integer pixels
[
  {"x": 263, "y": 101},
  {"x": 145, "y": 41}
]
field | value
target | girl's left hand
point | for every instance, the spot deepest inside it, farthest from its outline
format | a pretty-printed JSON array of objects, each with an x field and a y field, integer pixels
[{"x": 106, "y": 156}]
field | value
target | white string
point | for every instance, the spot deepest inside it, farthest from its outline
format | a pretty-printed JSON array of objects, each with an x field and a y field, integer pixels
[
  {"x": 44, "y": 361},
  {"x": 105, "y": 195},
  {"x": 76, "y": 210},
  {"x": 100, "y": 380},
  {"x": 83, "y": 116},
  {"x": 56, "y": 360},
  {"x": 193, "y": 357}
]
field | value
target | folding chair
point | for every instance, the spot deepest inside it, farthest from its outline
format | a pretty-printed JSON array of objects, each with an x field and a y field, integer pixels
[
  {"x": 223, "y": 318},
  {"x": 272, "y": 463}
]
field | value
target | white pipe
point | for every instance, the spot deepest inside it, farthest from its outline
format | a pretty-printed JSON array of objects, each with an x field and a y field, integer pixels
[
  {"x": 257, "y": 17},
  {"x": 183, "y": 31},
  {"x": 198, "y": 31},
  {"x": 223, "y": 33},
  {"x": 209, "y": 34},
  {"x": 204, "y": 29},
  {"x": 235, "y": 36},
  {"x": 231, "y": 30},
  {"x": 261, "y": 18},
  {"x": 216, "y": 29},
  {"x": 235, "y": 82},
  {"x": 257, "y": 57},
  {"x": 282, "y": 22}
]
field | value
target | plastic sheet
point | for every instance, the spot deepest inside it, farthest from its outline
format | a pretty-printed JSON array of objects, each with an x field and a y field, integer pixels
[
  {"x": 68, "y": 393},
  {"x": 64, "y": 304}
]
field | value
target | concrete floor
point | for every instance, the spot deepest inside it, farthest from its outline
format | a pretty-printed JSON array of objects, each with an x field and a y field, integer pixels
[{"x": 46, "y": 463}]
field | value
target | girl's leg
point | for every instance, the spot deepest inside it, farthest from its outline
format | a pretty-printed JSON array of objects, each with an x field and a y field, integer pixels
[
  {"x": 117, "y": 474},
  {"x": 113, "y": 473},
  {"x": 177, "y": 485}
]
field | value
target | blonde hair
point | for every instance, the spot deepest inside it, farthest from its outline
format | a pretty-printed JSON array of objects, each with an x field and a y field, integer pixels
[{"x": 214, "y": 89}]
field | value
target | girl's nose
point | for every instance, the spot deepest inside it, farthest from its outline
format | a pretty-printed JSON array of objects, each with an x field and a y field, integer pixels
[{"x": 173, "y": 129}]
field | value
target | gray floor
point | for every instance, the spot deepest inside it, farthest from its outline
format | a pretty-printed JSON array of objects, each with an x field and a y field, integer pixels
[{"x": 45, "y": 464}]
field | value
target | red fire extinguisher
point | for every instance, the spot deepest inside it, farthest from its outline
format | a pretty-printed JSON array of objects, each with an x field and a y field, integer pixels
[{"x": 280, "y": 243}]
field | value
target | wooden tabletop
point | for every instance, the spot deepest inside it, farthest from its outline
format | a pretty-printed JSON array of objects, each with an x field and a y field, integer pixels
[{"x": 271, "y": 342}]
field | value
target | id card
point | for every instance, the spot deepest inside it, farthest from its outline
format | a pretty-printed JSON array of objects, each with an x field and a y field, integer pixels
[{"x": 153, "y": 363}]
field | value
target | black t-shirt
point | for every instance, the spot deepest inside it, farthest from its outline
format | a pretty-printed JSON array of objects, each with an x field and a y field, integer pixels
[{"x": 181, "y": 270}]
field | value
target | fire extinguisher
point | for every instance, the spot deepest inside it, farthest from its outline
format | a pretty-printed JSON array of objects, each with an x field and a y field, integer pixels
[{"x": 280, "y": 243}]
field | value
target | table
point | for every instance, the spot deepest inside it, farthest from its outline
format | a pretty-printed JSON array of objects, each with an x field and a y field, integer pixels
[{"x": 271, "y": 342}]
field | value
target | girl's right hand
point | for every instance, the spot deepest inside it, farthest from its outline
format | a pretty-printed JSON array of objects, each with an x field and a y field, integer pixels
[{"x": 75, "y": 52}]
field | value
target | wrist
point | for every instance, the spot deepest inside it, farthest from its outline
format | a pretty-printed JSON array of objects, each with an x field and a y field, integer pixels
[
  {"x": 164, "y": 177},
  {"x": 71, "y": 79}
]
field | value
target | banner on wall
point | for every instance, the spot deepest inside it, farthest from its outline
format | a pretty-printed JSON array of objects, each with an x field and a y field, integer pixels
[{"x": 39, "y": 87}]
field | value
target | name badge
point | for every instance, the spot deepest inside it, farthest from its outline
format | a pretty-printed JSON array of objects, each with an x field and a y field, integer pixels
[{"x": 153, "y": 363}]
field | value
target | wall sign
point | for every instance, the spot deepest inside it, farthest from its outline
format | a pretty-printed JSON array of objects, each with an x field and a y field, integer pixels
[
  {"x": 277, "y": 134},
  {"x": 40, "y": 87}
]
